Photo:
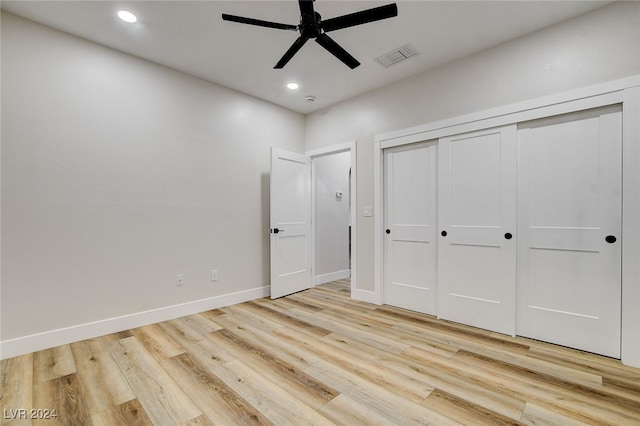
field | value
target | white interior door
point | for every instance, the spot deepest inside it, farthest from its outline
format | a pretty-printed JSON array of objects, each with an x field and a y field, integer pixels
[
  {"x": 410, "y": 276},
  {"x": 290, "y": 219},
  {"x": 477, "y": 257},
  {"x": 569, "y": 271}
]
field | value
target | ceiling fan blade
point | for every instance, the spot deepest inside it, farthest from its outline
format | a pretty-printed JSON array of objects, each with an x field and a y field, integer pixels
[
  {"x": 297, "y": 45},
  {"x": 336, "y": 50},
  {"x": 358, "y": 18},
  {"x": 306, "y": 10},
  {"x": 258, "y": 22}
]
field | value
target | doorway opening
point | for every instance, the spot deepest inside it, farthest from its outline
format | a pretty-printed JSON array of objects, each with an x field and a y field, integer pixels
[{"x": 333, "y": 212}]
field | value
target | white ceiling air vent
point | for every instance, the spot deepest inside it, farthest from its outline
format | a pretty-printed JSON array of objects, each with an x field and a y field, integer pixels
[{"x": 397, "y": 55}]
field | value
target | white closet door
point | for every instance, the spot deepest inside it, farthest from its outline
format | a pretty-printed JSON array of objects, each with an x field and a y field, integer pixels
[
  {"x": 410, "y": 227},
  {"x": 569, "y": 266},
  {"x": 477, "y": 199}
]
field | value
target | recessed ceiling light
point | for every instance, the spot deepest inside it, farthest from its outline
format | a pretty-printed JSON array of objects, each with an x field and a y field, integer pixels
[
  {"x": 292, "y": 86},
  {"x": 127, "y": 16}
]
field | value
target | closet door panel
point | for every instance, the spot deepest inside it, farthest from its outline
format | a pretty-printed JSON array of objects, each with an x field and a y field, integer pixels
[
  {"x": 477, "y": 197},
  {"x": 569, "y": 275},
  {"x": 410, "y": 278}
]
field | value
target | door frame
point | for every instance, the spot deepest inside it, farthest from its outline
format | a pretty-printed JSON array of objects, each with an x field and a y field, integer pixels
[
  {"x": 321, "y": 152},
  {"x": 624, "y": 91}
]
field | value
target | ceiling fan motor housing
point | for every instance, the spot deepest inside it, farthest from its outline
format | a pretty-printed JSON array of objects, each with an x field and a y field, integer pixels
[{"x": 311, "y": 28}]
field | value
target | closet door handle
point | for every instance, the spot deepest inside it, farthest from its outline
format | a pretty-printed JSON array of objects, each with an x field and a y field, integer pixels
[
  {"x": 276, "y": 230},
  {"x": 610, "y": 239},
  {"x": 443, "y": 233},
  {"x": 508, "y": 236},
  {"x": 388, "y": 231}
]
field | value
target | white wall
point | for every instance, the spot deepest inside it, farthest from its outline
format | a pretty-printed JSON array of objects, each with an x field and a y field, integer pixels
[
  {"x": 596, "y": 47},
  {"x": 331, "y": 174},
  {"x": 118, "y": 174}
]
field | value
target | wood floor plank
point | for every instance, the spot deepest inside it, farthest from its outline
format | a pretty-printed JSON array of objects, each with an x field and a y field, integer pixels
[
  {"x": 125, "y": 414},
  {"x": 376, "y": 398},
  {"x": 343, "y": 410},
  {"x": 292, "y": 354},
  {"x": 290, "y": 303},
  {"x": 199, "y": 421},
  {"x": 539, "y": 416},
  {"x": 212, "y": 314},
  {"x": 624, "y": 387},
  {"x": 103, "y": 384},
  {"x": 314, "y": 297},
  {"x": 464, "y": 340},
  {"x": 163, "y": 400},
  {"x": 332, "y": 300},
  {"x": 464, "y": 411},
  {"x": 60, "y": 397},
  {"x": 360, "y": 334},
  {"x": 53, "y": 363},
  {"x": 367, "y": 325},
  {"x": 219, "y": 403},
  {"x": 586, "y": 359},
  {"x": 455, "y": 380},
  {"x": 307, "y": 389},
  {"x": 202, "y": 349},
  {"x": 274, "y": 402},
  {"x": 201, "y": 324},
  {"x": 157, "y": 342},
  {"x": 613, "y": 372},
  {"x": 16, "y": 391},
  {"x": 422, "y": 320},
  {"x": 318, "y": 357},
  {"x": 242, "y": 313},
  {"x": 344, "y": 356},
  {"x": 180, "y": 330},
  {"x": 553, "y": 393},
  {"x": 285, "y": 319},
  {"x": 415, "y": 363},
  {"x": 541, "y": 365},
  {"x": 116, "y": 336},
  {"x": 548, "y": 367},
  {"x": 383, "y": 325},
  {"x": 444, "y": 373}
]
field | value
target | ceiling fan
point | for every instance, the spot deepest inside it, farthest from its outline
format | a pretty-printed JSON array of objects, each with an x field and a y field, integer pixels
[{"x": 312, "y": 26}]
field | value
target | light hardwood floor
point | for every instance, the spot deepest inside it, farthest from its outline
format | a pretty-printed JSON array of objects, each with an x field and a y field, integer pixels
[{"x": 317, "y": 357}]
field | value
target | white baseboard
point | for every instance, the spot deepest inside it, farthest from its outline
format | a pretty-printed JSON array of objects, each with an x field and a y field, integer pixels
[
  {"x": 332, "y": 276},
  {"x": 63, "y": 336},
  {"x": 365, "y": 296}
]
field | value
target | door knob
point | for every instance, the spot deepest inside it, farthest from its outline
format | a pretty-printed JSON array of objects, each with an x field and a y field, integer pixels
[
  {"x": 443, "y": 233},
  {"x": 508, "y": 235},
  {"x": 276, "y": 230},
  {"x": 610, "y": 239},
  {"x": 388, "y": 231}
]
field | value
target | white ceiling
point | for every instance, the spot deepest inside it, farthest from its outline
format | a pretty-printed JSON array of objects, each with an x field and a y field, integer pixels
[{"x": 190, "y": 36}]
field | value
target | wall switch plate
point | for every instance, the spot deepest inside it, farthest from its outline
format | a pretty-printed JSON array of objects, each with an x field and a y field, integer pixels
[
  {"x": 179, "y": 280},
  {"x": 214, "y": 275}
]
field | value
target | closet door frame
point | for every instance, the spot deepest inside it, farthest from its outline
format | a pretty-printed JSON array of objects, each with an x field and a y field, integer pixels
[{"x": 625, "y": 92}]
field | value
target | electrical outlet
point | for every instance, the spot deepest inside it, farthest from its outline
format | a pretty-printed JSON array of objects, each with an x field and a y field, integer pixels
[
  {"x": 214, "y": 275},
  {"x": 179, "y": 280}
]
